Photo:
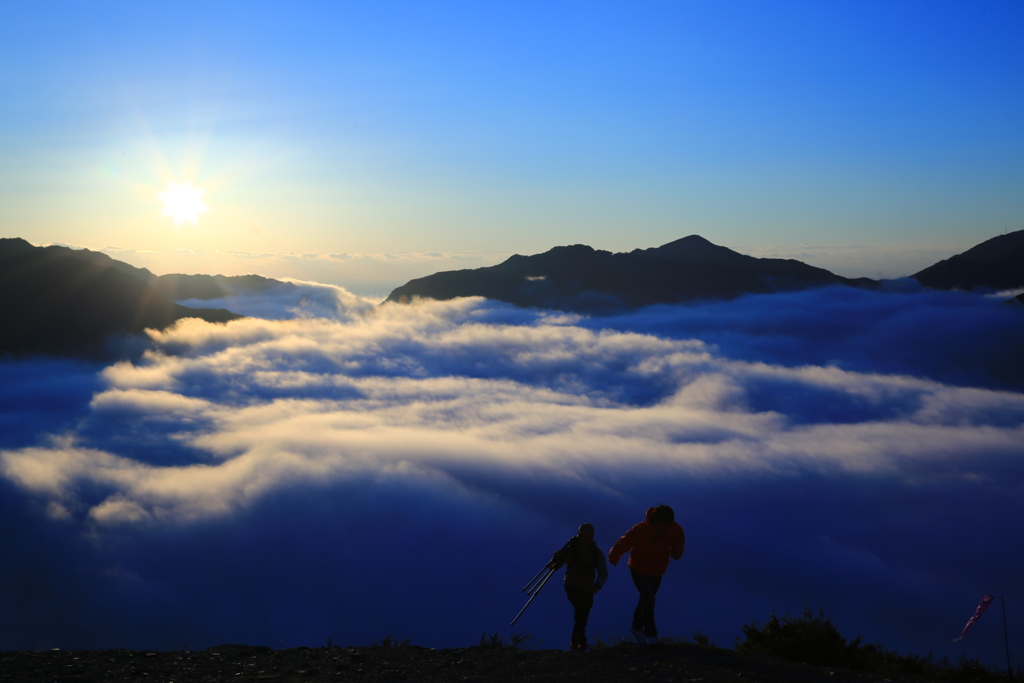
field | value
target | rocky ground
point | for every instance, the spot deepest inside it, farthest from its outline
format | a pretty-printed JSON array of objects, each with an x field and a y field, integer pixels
[{"x": 407, "y": 663}]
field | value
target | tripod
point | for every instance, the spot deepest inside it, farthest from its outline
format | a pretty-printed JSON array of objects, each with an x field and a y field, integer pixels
[{"x": 536, "y": 584}]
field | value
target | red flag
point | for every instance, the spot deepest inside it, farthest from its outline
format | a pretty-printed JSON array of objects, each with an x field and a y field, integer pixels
[{"x": 986, "y": 600}]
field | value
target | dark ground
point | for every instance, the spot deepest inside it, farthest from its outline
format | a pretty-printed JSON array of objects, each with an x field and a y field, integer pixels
[{"x": 400, "y": 663}]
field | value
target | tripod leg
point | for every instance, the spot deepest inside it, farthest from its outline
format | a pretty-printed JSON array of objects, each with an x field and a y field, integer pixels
[
  {"x": 534, "y": 594},
  {"x": 523, "y": 610},
  {"x": 533, "y": 581},
  {"x": 546, "y": 579}
]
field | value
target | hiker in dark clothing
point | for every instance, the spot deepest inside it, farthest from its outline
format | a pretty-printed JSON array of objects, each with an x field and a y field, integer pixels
[{"x": 585, "y": 573}]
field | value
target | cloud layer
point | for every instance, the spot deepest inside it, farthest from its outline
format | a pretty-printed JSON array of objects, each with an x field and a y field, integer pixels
[{"x": 337, "y": 469}]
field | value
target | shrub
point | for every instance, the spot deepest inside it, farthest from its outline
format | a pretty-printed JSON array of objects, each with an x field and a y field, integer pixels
[
  {"x": 815, "y": 640},
  {"x": 702, "y": 639},
  {"x": 807, "y": 638}
]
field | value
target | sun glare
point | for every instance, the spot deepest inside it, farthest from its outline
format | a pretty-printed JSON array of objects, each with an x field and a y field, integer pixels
[{"x": 183, "y": 203}]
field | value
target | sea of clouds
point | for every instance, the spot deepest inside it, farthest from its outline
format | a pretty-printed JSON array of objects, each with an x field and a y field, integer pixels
[{"x": 333, "y": 469}]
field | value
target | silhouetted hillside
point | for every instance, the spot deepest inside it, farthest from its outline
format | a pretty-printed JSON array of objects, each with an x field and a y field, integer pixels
[
  {"x": 178, "y": 287},
  {"x": 58, "y": 300},
  {"x": 581, "y": 278},
  {"x": 997, "y": 264}
]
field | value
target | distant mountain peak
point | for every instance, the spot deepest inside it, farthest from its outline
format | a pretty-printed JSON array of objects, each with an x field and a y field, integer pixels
[
  {"x": 580, "y": 278},
  {"x": 696, "y": 248},
  {"x": 12, "y": 245},
  {"x": 691, "y": 241}
]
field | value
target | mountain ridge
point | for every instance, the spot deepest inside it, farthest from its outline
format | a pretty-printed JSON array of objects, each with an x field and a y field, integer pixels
[
  {"x": 580, "y": 278},
  {"x": 71, "y": 301},
  {"x": 996, "y": 264},
  {"x": 64, "y": 301}
]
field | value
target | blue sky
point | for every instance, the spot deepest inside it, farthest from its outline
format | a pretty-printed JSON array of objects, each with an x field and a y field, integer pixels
[{"x": 867, "y": 138}]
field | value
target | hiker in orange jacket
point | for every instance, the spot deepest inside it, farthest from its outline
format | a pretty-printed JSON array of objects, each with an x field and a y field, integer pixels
[{"x": 649, "y": 544}]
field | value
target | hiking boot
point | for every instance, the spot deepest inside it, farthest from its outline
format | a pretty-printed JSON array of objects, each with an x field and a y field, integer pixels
[{"x": 639, "y": 635}]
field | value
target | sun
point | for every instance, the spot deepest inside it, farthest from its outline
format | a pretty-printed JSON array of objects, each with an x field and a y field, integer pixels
[{"x": 183, "y": 203}]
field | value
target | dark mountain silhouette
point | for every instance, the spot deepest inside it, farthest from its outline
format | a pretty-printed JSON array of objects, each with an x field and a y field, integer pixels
[
  {"x": 580, "y": 278},
  {"x": 178, "y": 287},
  {"x": 995, "y": 264},
  {"x": 57, "y": 300}
]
